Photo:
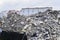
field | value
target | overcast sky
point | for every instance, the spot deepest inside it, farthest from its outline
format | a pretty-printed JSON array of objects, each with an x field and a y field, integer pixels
[{"x": 18, "y": 4}]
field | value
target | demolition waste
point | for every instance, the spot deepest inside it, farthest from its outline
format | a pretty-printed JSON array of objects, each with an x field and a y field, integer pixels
[{"x": 39, "y": 26}]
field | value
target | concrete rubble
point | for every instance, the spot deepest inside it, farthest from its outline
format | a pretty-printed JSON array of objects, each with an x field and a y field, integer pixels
[{"x": 40, "y": 26}]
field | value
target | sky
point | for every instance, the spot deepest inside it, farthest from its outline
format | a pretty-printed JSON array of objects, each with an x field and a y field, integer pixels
[{"x": 18, "y": 4}]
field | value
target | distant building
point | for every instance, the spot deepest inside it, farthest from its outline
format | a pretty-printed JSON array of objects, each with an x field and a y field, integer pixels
[{"x": 28, "y": 11}]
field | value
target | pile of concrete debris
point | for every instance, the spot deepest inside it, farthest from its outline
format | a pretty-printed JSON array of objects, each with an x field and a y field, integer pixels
[{"x": 40, "y": 26}]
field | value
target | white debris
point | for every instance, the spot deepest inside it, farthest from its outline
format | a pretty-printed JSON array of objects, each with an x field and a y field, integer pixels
[
  {"x": 15, "y": 20},
  {"x": 58, "y": 38},
  {"x": 22, "y": 22},
  {"x": 0, "y": 30},
  {"x": 3, "y": 21},
  {"x": 26, "y": 26},
  {"x": 12, "y": 25}
]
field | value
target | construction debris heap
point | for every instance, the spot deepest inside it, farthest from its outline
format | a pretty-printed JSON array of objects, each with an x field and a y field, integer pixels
[{"x": 39, "y": 26}]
